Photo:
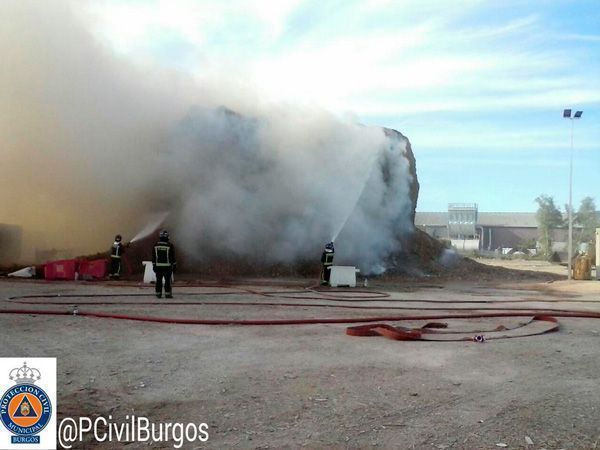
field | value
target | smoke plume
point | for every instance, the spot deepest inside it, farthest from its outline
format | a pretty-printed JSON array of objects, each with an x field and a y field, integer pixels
[{"x": 93, "y": 143}]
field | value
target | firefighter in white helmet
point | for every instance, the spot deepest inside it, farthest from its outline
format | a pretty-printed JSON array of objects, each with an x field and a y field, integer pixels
[
  {"x": 164, "y": 264},
  {"x": 116, "y": 256},
  {"x": 327, "y": 263}
]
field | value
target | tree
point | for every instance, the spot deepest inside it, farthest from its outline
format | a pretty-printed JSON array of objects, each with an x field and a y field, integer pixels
[
  {"x": 548, "y": 217},
  {"x": 587, "y": 218}
]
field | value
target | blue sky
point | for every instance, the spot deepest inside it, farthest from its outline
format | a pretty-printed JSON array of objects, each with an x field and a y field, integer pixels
[{"x": 477, "y": 86}]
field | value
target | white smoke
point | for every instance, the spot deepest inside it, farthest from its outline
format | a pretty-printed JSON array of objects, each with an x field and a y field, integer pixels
[
  {"x": 383, "y": 214},
  {"x": 93, "y": 143},
  {"x": 278, "y": 186}
]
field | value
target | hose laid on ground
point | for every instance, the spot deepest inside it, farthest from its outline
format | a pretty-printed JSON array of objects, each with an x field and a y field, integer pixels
[
  {"x": 355, "y": 295},
  {"x": 373, "y": 296},
  {"x": 378, "y": 329},
  {"x": 538, "y": 324},
  {"x": 330, "y": 295},
  {"x": 305, "y": 305},
  {"x": 475, "y": 315}
]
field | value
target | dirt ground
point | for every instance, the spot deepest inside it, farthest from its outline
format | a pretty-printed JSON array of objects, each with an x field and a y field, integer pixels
[
  {"x": 528, "y": 264},
  {"x": 312, "y": 386}
]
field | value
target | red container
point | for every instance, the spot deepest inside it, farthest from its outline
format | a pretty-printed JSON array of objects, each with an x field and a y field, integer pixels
[
  {"x": 60, "y": 270},
  {"x": 94, "y": 269}
]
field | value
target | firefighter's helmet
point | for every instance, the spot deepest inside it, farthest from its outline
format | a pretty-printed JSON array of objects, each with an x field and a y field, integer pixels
[
  {"x": 118, "y": 238},
  {"x": 329, "y": 246},
  {"x": 164, "y": 234}
]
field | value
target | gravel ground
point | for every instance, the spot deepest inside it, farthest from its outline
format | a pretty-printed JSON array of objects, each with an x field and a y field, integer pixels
[{"x": 311, "y": 386}]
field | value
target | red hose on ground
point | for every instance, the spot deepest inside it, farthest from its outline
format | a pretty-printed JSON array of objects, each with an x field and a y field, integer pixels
[
  {"x": 430, "y": 331},
  {"x": 574, "y": 314},
  {"x": 304, "y": 305},
  {"x": 329, "y": 295}
]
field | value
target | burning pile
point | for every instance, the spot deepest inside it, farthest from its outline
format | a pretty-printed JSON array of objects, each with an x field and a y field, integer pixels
[
  {"x": 246, "y": 200},
  {"x": 273, "y": 189}
]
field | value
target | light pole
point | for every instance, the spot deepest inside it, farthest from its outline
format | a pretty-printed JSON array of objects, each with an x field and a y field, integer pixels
[{"x": 567, "y": 115}]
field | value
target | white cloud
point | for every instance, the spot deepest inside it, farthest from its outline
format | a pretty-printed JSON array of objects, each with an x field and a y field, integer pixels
[
  {"x": 130, "y": 25},
  {"x": 374, "y": 58},
  {"x": 581, "y": 37}
]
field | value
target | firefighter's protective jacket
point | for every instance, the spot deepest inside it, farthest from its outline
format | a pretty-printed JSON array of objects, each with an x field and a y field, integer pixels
[
  {"x": 327, "y": 258},
  {"x": 116, "y": 251},
  {"x": 163, "y": 255}
]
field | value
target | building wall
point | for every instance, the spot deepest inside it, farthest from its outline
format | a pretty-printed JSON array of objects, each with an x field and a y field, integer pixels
[
  {"x": 507, "y": 237},
  {"x": 435, "y": 231},
  {"x": 507, "y": 229},
  {"x": 10, "y": 243}
]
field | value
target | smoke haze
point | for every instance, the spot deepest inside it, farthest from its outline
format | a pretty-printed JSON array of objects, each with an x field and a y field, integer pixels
[{"x": 91, "y": 144}]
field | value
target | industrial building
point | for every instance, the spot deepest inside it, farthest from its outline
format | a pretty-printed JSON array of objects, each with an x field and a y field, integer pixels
[{"x": 468, "y": 229}]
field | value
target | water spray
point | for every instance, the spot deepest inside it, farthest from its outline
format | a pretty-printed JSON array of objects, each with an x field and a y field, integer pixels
[
  {"x": 154, "y": 221},
  {"x": 362, "y": 189}
]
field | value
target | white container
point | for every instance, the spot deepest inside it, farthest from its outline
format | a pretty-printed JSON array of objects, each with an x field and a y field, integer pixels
[
  {"x": 149, "y": 275},
  {"x": 343, "y": 276}
]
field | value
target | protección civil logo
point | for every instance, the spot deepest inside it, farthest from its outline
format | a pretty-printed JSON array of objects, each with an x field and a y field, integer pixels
[{"x": 28, "y": 404}]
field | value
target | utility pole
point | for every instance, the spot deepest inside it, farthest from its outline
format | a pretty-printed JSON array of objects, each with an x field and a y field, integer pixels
[{"x": 567, "y": 115}]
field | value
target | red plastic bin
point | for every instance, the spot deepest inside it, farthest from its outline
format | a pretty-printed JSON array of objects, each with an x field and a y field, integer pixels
[
  {"x": 95, "y": 269},
  {"x": 60, "y": 270}
]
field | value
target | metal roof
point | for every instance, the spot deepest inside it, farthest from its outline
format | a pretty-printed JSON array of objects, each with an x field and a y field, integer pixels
[
  {"x": 514, "y": 219},
  {"x": 486, "y": 219}
]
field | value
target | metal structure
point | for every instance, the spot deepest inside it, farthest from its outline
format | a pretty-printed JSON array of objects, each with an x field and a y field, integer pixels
[
  {"x": 576, "y": 116},
  {"x": 462, "y": 220}
]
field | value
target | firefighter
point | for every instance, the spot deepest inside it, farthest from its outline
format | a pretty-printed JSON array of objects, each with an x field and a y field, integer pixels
[
  {"x": 164, "y": 264},
  {"x": 116, "y": 253},
  {"x": 327, "y": 262}
]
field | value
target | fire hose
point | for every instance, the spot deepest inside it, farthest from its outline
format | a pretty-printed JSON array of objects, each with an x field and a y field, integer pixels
[{"x": 544, "y": 316}]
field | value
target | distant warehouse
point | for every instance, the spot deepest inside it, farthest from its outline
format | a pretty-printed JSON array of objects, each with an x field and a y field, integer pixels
[{"x": 469, "y": 229}]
